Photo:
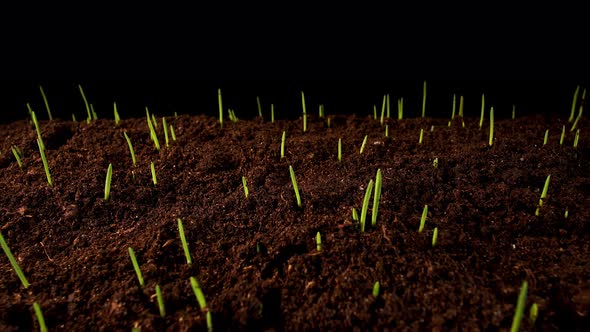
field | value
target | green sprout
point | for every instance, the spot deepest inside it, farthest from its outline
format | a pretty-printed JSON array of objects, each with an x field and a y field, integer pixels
[
  {"x": 130, "y": 148},
  {"x": 172, "y": 133},
  {"x": 562, "y": 135},
  {"x": 388, "y": 106},
  {"x": 154, "y": 122},
  {"x": 491, "y": 141},
  {"x": 219, "y": 101},
  {"x": 423, "y": 219},
  {"x": 46, "y": 103},
  {"x": 44, "y": 159},
  {"x": 434, "y": 236},
  {"x": 89, "y": 117},
  {"x": 340, "y": 149},
  {"x": 454, "y": 107},
  {"x": 94, "y": 116},
  {"x": 374, "y": 112},
  {"x": 546, "y": 137},
  {"x": 272, "y": 113},
  {"x": 518, "y": 313},
  {"x": 295, "y": 187},
  {"x": 160, "y": 299},
  {"x": 304, "y": 112},
  {"x": 318, "y": 241},
  {"x": 435, "y": 163},
  {"x": 366, "y": 204},
  {"x": 424, "y": 99},
  {"x": 116, "y": 114},
  {"x": 283, "y": 144},
  {"x": 13, "y": 262},
  {"x": 107, "y": 184},
  {"x": 400, "y": 108},
  {"x": 363, "y": 145},
  {"x": 386, "y": 130},
  {"x": 376, "y": 197},
  {"x": 355, "y": 215},
  {"x": 259, "y": 107},
  {"x": 421, "y": 136},
  {"x": 34, "y": 118},
  {"x": 187, "y": 254},
  {"x": 566, "y": 214},
  {"x": 513, "y": 111},
  {"x": 321, "y": 111},
  {"x": 461, "y": 106},
  {"x": 533, "y": 313},
  {"x": 17, "y": 156},
  {"x": 257, "y": 247},
  {"x": 383, "y": 109},
  {"x": 483, "y": 103},
  {"x": 74, "y": 118},
  {"x": 136, "y": 266},
  {"x": 40, "y": 318},
  {"x": 577, "y": 119},
  {"x": 576, "y": 138},
  {"x": 245, "y": 186},
  {"x": 376, "y": 288},
  {"x": 153, "y": 134},
  {"x": 202, "y": 303},
  {"x": 574, "y": 103},
  {"x": 543, "y": 194},
  {"x": 165, "y": 130},
  {"x": 153, "y": 169}
]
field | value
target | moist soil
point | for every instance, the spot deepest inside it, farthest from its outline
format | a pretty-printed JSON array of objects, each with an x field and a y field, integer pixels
[{"x": 256, "y": 258}]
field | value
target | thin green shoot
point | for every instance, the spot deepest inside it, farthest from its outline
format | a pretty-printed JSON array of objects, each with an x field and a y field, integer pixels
[
  {"x": 424, "y": 99},
  {"x": 283, "y": 138},
  {"x": 160, "y": 299},
  {"x": 491, "y": 140},
  {"x": 376, "y": 197},
  {"x": 340, "y": 149},
  {"x": 165, "y": 127},
  {"x": 154, "y": 122},
  {"x": 318, "y": 241},
  {"x": 116, "y": 114},
  {"x": 575, "y": 125},
  {"x": 304, "y": 112},
  {"x": 576, "y": 138},
  {"x": 533, "y": 313},
  {"x": 519, "y": 312},
  {"x": 295, "y": 187},
  {"x": 136, "y": 266},
  {"x": 202, "y": 303},
  {"x": 434, "y": 236},
  {"x": 46, "y": 103},
  {"x": 172, "y": 133},
  {"x": 94, "y": 116},
  {"x": 257, "y": 247},
  {"x": 483, "y": 105},
  {"x": 321, "y": 111},
  {"x": 383, "y": 109},
  {"x": 355, "y": 215},
  {"x": 435, "y": 163},
  {"x": 454, "y": 106},
  {"x": 366, "y": 205},
  {"x": 376, "y": 289},
  {"x": 130, "y": 148},
  {"x": 513, "y": 111},
  {"x": 175, "y": 114},
  {"x": 562, "y": 135},
  {"x": 44, "y": 159},
  {"x": 17, "y": 156},
  {"x": 136, "y": 329},
  {"x": 374, "y": 112},
  {"x": 153, "y": 134},
  {"x": 74, "y": 118},
  {"x": 546, "y": 137},
  {"x": 153, "y": 169},
  {"x": 329, "y": 122},
  {"x": 400, "y": 108},
  {"x": 259, "y": 107},
  {"x": 431, "y": 129},
  {"x": 220, "y": 102},
  {"x": 566, "y": 214},
  {"x": 89, "y": 117},
  {"x": 386, "y": 130},
  {"x": 272, "y": 113},
  {"x": 245, "y": 185},
  {"x": 187, "y": 253},
  {"x": 574, "y": 104},
  {"x": 423, "y": 218},
  {"x": 461, "y": 106},
  {"x": 40, "y": 318},
  {"x": 13, "y": 262},
  {"x": 388, "y": 107},
  {"x": 421, "y": 136},
  {"x": 35, "y": 122},
  {"x": 545, "y": 188},
  {"x": 107, "y": 184},
  {"x": 232, "y": 115},
  {"x": 462, "y": 123},
  {"x": 363, "y": 145}
]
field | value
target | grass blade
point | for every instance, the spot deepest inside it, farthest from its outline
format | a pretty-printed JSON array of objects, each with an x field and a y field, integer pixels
[
  {"x": 116, "y": 114},
  {"x": 40, "y": 318},
  {"x": 136, "y": 266},
  {"x": 491, "y": 140},
  {"x": 13, "y": 262},
  {"x": 187, "y": 254},
  {"x": 202, "y": 302},
  {"x": 519, "y": 312},
  {"x": 340, "y": 149},
  {"x": 107, "y": 184},
  {"x": 44, "y": 159},
  {"x": 295, "y": 187},
  {"x": 130, "y": 148},
  {"x": 46, "y": 103},
  {"x": 89, "y": 117},
  {"x": 423, "y": 219},
  {"x": 153, "y": 169},
  {"x": 366, "y": 204},
  {"x": 283, "y": 144},
  {"x": 160, "y": 299},
  {"x": 318, "y": 241},
  {"x": 245, "y": 185},
  {"x": 376, "y": 197},
  {"x": 363, "y": 145},
  {"x": 424, "y": 99},
  {"x": 220, "y": 102}
]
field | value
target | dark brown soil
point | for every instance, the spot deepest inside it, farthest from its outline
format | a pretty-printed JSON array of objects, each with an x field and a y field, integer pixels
[{"x": 72, "y": 244}]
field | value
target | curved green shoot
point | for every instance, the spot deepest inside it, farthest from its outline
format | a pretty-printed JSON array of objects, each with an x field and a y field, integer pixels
[
  {"x": 44, "y": 159},
  {"x": 17, "y": 156},
  {"x": 13, "y": 262},
  {"x": 259, "y": 107},
  {"x": 172, "y": 133},
  {"x": 153, "y": 134},
  {"x": 46, "y": 103},
  {"x": 423, "y": 219},
  {"x": 245, "y": 185},
  {"x": 160, "y": 299},
  {"x": 562, "y": 135},
  {"x": 220, "y": 103},
  {"x": 576, "y": 138},
  {"x": 545, "y": 189},
  {"x": 376, "y": 197},
  {"x": 483, "y": 103},
  {"x": 424, "y": 99},
  {"x": 116, "y": 114},
  {"x": 400, "y": 108},
  {"x": 454, "y": 107},
  {"x": 89, "y": 117},
  {"x": 574, "y": 104},
  {"x": 366, "y": 205},
  {"x": 40, "y": 318},
  {"x": 283, "y": 144},
  {"x": 318, "y": 241},
  {"x": 340, "y": 149},
  {"x": 434, "y": 236},
  {"x": 295, "y": 187},
  {"x": 154, "y": 122},
  {"x": 153, "y": 169},
  {"x": 533, "y": 313},
  {"x": 165, "y": 130},
  {"x": 421, "y": 136},
  {"x": 461, "y": 106},
  {"x": 363, "y": 145},
  {"x": 187, "y": 254},
  {"x": 355, "y": 215},
  {"x": 304, "y": 112},
  {"x": 383, "y": 109},
  {"x": 546, "y": 137},
  {"x": 107, "y": 184},
  {"x": 272, "y": 113},
  {"x": 577, "y": 120},
  {"x": 202, "y": 302},
  {"x": 35, "y": 122},
  {"x": 376, "y": 289},
  {"x": 519, "y": 308},
  {"x": 94, "y": 116},
  {"x": 130, "y": 148},
  {"x": 491, "y": 140},
  {"x": 136, "y": 266}
]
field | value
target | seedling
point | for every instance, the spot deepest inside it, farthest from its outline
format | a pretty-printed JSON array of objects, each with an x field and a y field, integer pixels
[
  {"x": 483, "y": 103},
  {"x": 245, "y": 186},
  {"x": 461, "y": 107},
  {"x": 491, "y": 141},
  {"x": 202, "y": 303},
  {"x": 388, "y": 106},
  {"x": 259, "y": 107},
  {"x": 304, "y": 112},
  {"x": 435, "y": 163},
  {"x": 376, "y": 287},
  {"x": 153, "y": 169},
  {"x": 40, "y": 318},
  {"x": 89, "y": 117},
  {"x": 454, "y": 107},
  {"x": 562, "y": 135},
  {"x": 74, "y": 118},
  {"x": 165, "y": 127},
  {"x": 116, "y": 114},
  {"x": 172, "y": 133},
  {"x": 318, "y": 241},
  {"x": 272, "y": 113},
  {"x": 383, "y": 109},
  {"x": 160, "y": 299},
  {"x": 513, "y": 111},
  {"x": 386, "y": 130},
  {"x": 94, "y": 116},
  {"x": 130, "y": 148},
  {"x": 366, "y": 204},
  {"x": 257, "y": 247},
  {"x": 283, "y": 144},
  {"x": 421, "y": 136},
  {"x": 44, "y": 159},
  {"x": 340, "y": 149},
  {"x": 400, "y": 108},
  {"x": 374, "y": 112},
  {"x": 424, "y": 99},
  {"x": 376, "y": 198},
  {"x": 566, "y": 214},
  {"x": 46, "y": 103},
  {"x": 220, "y": 102},
  {"x": 136, "y": 266},
  {"x": 576, "y": 138},
  {"x": 35, "y": 122},
  {"x": 423, "y": 219},
  {"x": 546, "y": 137},
  {"x": 154, "y": 122},
  {"x": 545, "y": 189},
  {"x": 533, "y": 313},
  {"x": 355, "y": 215},
  {"x": 13, "y": 262},
  {"x": 17, "y": 156},
  {"x": 153, "y": 134},
  {"x": 107, "y": 184},
  {"x": 321, "y": 111},
  {"x": 574, "y": 104},
  {"x": 187, "y": 254},
  {"x": 295, "y": 187},
  {"x": 434, "y": 236},
  {"x": 363, "y": 145},
  {"x": 577, "y": 119},
  {"x": 518, "y": 313}
]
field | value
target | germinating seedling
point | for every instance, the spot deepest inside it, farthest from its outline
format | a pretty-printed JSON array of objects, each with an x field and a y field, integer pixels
[
  {"x": 518, "y": 313},
  {"x": 13, "y": 262},
  {"x": 116, "y": 114},
  {"x": 376, "y": 197},
  {"x": 355, "y": 215},
  {"x": 574, "y": 104},
  {"x": 340, "y": 149},
  {"x": 513, "y": 111},
  {"x": 318, "y": 241},
  {"x": 220, "y": 102},
  {"x": 388, "y": 107},
  {"x": 491, "y": 141},
  {"x": 165, "y": 127},
  {"x": 400, "y": 108},
  {"x": 107, "y": 184},
  {"x": 187, "y": 254},
  {"x": 172, "y": 133},
  {"x": 424, "y": 99},
  {"x": 153, "y": 169},
  {"x": 483, "y": 103},
  {"x": 546, "y": 137},
  {"x": 383, "y": 109},
  {"x": 160, "y": 299},
  {"x": 244, "y": 183},
  {"x": 376, "y": 289},
  {"x": 16, "y": 156},
  {"x": 562, "y": 135},
  {"x": 272, "y": 113},
  {"x": 421, "y": 136},
  {"x": 40, "y": 318},
  {"x": 533, "y": 313},
  {"x": 434, "y": 236},
  {"x": 283, "y": 144},
  {"x": 46, "y": 103},
  {"x": 366, "y": 204},
  {"x": 89, "y": 117},
  {"x": 435, "y": 163},
  {"x": 202, "y": 302},
  {"x": 576, "y": 138},
  {"x": 423, "y": 219},
  {"x": 386, "y": 130},
  {"x": 130, "y": 148},
  {"x": 304, "y": 112},
  {"x": 94, "y": 115},
  {"x": 136, "y": 266},
  {"x": 44, "y": 159},
  {"x": 153, "y": 134},
  {"x": 363, "y": 145},
  {"x": 259, "y": 107},
  {"x": 295, "y": 187}
]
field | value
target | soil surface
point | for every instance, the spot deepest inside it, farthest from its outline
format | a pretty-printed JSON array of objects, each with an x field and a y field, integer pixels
[{"x": 256, "y": 258}]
